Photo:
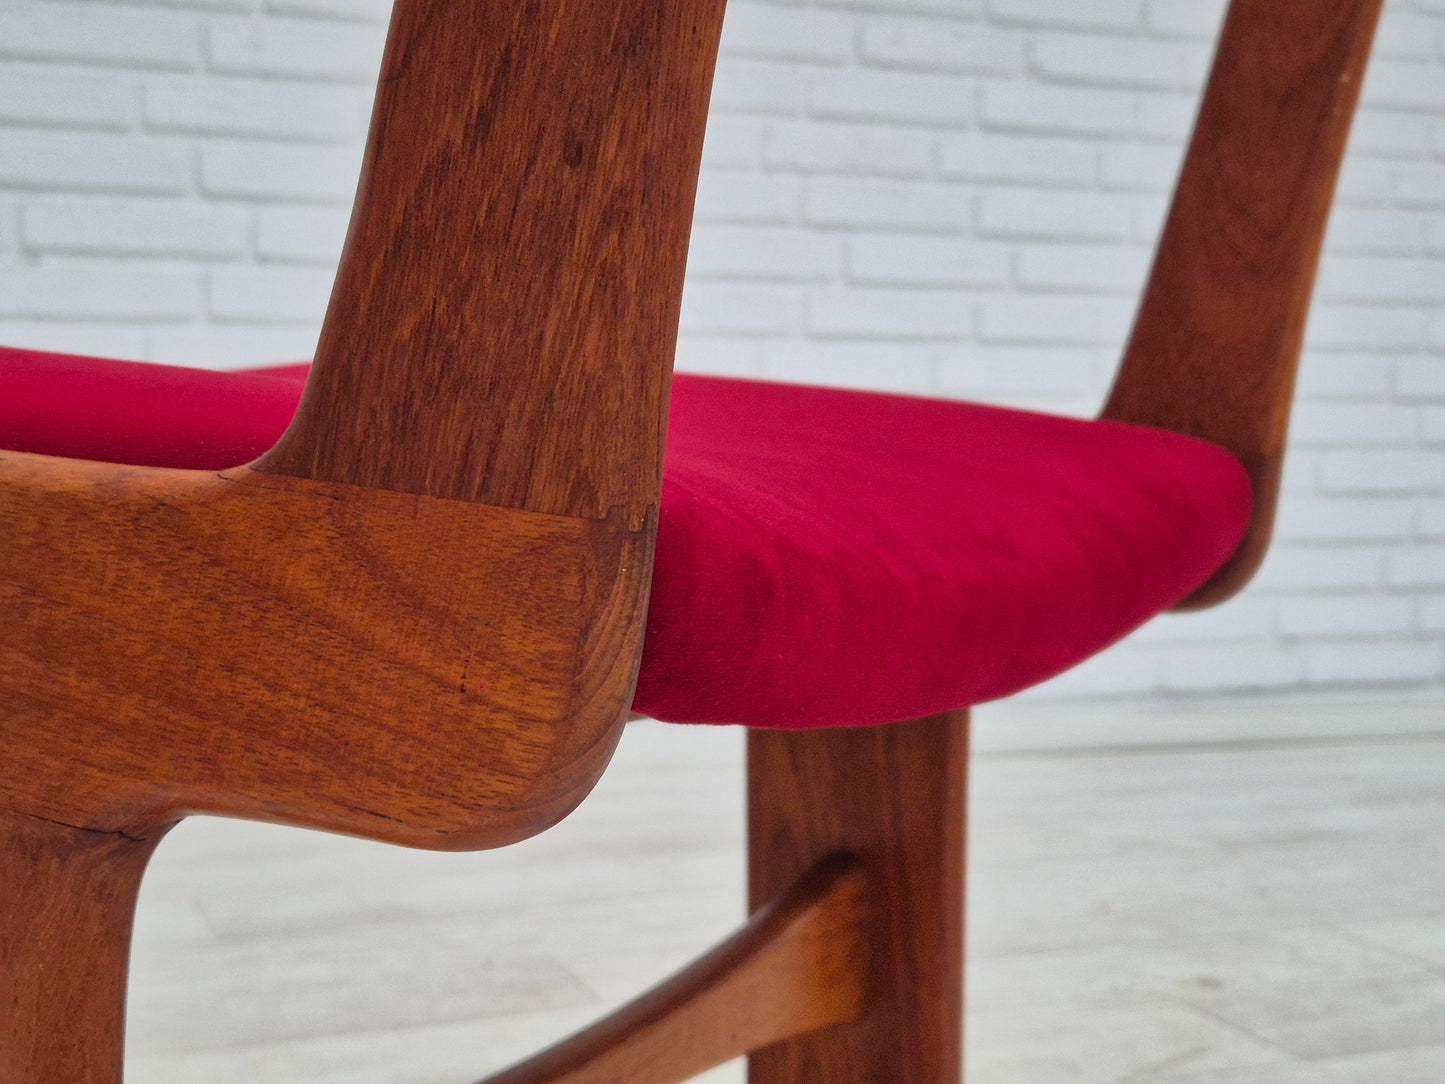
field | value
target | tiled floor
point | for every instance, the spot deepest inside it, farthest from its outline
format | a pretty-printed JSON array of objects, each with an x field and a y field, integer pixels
[{"x": 1220, "y": 913}]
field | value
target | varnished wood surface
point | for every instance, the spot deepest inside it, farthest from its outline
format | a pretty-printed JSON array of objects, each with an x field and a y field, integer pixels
[
  {"x": 67, "y": 898},
  {"x": 504, "y": 318},
  {"x": 797, "y": 966},
  {"x": 416, "y": 670},
  {"x": 1217, "y": 338},
  {"x": 340, "y": 638},
  {"x": 894, "y": 797}
]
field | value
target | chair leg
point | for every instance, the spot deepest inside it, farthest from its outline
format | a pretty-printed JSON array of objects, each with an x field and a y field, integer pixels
[
  {"x": 67, "y": 899},
  {"x": 895, "y": 797}
]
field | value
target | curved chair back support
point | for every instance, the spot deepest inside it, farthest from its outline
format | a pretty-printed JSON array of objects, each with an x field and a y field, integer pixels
[
  {"x": 505, "y": 314},
  {"x": 1217, "y": 339}
]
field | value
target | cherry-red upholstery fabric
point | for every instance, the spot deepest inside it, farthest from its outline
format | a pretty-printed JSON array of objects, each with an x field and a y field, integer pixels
[
  {"x": 149, "y": 415},
  {"x": 832, "y": 557},
  {"x": 824, "y": 557}
]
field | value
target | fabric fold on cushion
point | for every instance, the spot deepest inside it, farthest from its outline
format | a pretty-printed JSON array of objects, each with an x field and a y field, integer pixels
[{"x": 824, "y": 557}]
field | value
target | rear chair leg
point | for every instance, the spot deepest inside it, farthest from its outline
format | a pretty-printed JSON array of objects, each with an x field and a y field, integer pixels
[
  {"x": 893, "y": 796},
  {"x": 67, "y": 900}
]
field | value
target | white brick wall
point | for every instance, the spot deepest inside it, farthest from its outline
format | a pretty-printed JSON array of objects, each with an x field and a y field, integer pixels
[{"x": 954, "y": 197}]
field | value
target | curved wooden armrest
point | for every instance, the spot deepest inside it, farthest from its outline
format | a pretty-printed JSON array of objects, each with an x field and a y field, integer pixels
[
  {"x": 419, "y": 617},
  {"x": 1217, "y": 338},
  {"x": 428, "y": 672}
]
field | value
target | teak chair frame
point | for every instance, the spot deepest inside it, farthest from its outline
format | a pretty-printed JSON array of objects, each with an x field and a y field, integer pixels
[{"x": 418, "y": 618}]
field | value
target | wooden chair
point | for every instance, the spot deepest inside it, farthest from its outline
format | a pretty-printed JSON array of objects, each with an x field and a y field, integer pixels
[{"x": 418, "y": 618}]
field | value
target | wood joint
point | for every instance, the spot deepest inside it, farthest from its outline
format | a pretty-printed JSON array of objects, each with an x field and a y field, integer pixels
[{"x": 798, "y": 966}]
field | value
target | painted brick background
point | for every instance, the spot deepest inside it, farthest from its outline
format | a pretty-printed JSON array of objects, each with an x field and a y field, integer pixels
[{"x": 953, "y": 197}]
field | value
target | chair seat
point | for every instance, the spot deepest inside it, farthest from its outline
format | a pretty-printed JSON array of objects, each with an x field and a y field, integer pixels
[{"x": 824, "y": 557}]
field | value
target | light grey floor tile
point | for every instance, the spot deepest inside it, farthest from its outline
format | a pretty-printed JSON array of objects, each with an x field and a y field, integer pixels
[
  {"x": 1317, "y": 1021},
  {"x": 1103, "y": 1045},
  {"x": 1422, "y": 936},
  {"x": 1216, "y": 969}
]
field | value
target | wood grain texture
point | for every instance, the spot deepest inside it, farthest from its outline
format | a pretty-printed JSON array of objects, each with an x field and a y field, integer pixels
[
  {"x": 894, "y": 797},
  {"x": 796, "y": 967},
  {"x": 422, "y": 671},
  {"x": 67, "y": 899},
  {"x": 505, "y": 314},
  {"x": 1217, "y": 338},
  {"x": 418, "y": 618}
]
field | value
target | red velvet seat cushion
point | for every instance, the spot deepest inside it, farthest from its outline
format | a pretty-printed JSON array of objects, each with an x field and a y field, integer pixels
[
  {"x": 824, "y": 557},
  {"x": 831, "y": 557},
  {"x": 149, "y": 415}
]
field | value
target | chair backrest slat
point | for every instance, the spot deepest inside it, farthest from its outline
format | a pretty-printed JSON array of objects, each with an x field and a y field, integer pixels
[
  {"x": 1217, "y": 338},
  {"x": 503, "y": 322}
]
